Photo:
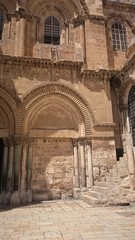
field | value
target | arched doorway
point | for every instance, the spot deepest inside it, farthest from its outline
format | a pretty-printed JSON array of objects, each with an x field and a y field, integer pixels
[
  {"x": 131, "y": 112},
  {"x": 55, "y": 117}
]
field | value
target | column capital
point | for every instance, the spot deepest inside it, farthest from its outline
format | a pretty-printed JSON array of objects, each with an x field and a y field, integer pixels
[
  {"x": 18, "y": 140},
  {"x": 88, "y": 141},
  {"x": 6, "y": 142},
  {"x": 31, "y": 141},
  {"x": 11, "y": 140},
  {"x": 75, "y": 142},
  {"x": 81, "y": 141}
]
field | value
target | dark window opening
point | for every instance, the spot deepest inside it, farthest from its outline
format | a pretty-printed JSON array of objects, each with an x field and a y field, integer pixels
[
  {"x": 131, "y": 112},
  {"x": 52, "y": 31},
  {"x": 1, "y": 161},
  {"x": 1, "y": 23},
  {"x": 119, "y": 153},
  {"x": 119, "y": 37}
]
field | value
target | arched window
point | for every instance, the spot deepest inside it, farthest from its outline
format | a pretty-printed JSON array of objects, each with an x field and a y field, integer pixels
[
  {"x": 131, "y": 112},
  {"x": 119, "y": 37},
  {"x": 52, "y": 31},
  {"x": 1, "y": 23}
]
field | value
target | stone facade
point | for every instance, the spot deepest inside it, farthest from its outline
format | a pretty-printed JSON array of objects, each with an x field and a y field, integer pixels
[{"x": 64, "y": 119}]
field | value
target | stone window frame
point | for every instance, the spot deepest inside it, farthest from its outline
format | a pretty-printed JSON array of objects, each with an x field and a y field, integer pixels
[
  {"x": 119, "y": 36},
  {"x": 124, "y": 22},
  {"x": 41, "y": 28},
  {"x": 131, "y": 112}
]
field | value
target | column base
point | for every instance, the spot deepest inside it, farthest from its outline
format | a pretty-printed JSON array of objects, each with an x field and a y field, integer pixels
[
  {"x": 15, "y": 198},
  {"x": 7, "y": 198},
  {"x": 2, "y": 197},
  {"x": 29, "y": 196},
  {"x": 76, "y": 193},
  {"x": 23, "y": 197}
]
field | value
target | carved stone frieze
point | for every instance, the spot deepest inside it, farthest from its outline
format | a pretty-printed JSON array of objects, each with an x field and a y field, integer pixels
[{"x": 119, "y": 6}]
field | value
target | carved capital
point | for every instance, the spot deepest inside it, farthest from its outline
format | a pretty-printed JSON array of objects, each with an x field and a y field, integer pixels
[
  {"x": 11, "y": 140},
  {"x": 81, "y": 141},
  {"x": 17, "y": 140},
  {"x": 6, "y": 142},
  {"x": 31, "y": 141},
  {"x": 75, "y": 142}
]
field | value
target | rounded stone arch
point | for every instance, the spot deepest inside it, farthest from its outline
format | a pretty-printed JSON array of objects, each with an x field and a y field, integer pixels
[
  {"x": 37, "y": 95},
  {"x": 8, "y": 5},
  {"x": 7, "y": 110},
  {"x": 122, "y": 18},
  {"x": 124, "y": 91},
  {"x": 68, "y": 8}
]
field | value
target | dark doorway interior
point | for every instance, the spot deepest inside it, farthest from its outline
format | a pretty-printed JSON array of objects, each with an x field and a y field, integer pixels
[{"x": 1, "y": 161}]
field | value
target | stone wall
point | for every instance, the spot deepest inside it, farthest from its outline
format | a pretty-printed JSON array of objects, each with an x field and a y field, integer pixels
[{"x": 52, "y": 176}]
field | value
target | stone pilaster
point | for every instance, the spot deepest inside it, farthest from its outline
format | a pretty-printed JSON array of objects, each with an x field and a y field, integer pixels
[
  {"x": 17, "y": 37},
  {"x": 22, "y": 36}
]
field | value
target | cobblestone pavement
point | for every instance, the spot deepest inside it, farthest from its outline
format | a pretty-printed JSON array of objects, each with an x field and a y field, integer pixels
[{"x": 67, "y": 220}]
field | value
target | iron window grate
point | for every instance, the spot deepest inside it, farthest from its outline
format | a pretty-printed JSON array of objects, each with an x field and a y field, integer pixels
[
  {"x": 52, "y": 31},
  {"x": 119, "y": 37}
]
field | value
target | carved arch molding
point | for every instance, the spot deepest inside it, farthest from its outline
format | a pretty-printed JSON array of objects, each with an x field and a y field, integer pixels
[{"x": 30, "y": 98}]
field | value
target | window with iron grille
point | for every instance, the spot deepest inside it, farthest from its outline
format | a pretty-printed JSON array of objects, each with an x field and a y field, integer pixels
[
  {"x": 52, "y": 31},
  {"x": 119, "y": 37},
  {"x": 1, "y": 23},
  {"x": 131, "y": 112}
]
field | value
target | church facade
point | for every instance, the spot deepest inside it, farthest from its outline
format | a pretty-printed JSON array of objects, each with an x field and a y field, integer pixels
[{"x": 67, "y": 100}]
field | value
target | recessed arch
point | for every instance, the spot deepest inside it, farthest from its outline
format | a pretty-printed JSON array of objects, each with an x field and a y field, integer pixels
[
  {"x": 8, "y": 110},
  {"x": 69, "y": 94}
]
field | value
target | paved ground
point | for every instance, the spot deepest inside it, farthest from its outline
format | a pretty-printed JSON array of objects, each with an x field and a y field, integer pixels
[{"x": 67, "y": 220}]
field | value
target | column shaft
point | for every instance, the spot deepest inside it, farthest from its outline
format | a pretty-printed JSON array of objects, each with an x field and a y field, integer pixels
[
  {"x": 76, "y": 166},
  {"x": 83, "y": 165},
  {"x": 90, "y": 167},
  {"x": 5, "y": 165},
  {"x": 10, "y": 169}
]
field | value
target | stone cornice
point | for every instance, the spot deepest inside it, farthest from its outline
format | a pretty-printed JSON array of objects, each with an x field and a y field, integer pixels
[
  {"x": 104, "y": 125},
  {"x": 102, "y": 74},
  {"x": 119, "y": 6},
  {"x": 38, "y": 62}
]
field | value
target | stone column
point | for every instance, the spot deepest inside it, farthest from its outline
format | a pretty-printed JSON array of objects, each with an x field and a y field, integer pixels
[
  {"x": 22, "y": 36},
  {"x": 24, "y": 170},
  {"x": 17, "y": 162},
  {"x": 89, "y": 165},
  {"x": 82, "y": 164},
  {"x": 15, "y": 197},
  {"x": 10, "y": 165},
  {"x": 76, "y": 164},
  {"x": 29, "y": 171},
  {"x": 10, "y": 179},
  {"x": 5, "y": 164}
]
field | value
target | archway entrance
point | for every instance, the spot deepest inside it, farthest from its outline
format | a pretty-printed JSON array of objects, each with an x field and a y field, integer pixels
[{"x": 1, "y": 161}]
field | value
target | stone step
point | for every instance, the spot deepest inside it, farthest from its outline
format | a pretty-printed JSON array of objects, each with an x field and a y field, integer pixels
[
  {"x": 101, "y": 184},
  {"x": 95, "y": 194},
  {"x": 100, "y": 189},
  {"x": 89, "y": 199}
]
